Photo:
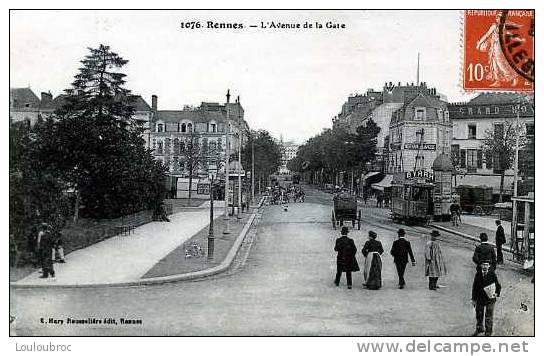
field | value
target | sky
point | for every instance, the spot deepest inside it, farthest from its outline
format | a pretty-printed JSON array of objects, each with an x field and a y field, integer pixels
[{"x": 291, "y": 82}]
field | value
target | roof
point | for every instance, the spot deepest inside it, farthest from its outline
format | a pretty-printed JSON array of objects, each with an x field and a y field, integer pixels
[
  {"x": 443, "y": 163},
  {"x": 139, "y": 103},
  {"x": 499, "y": 98},
  {"x": 23, "y": 97},
  {"x": 174, "y": 116},
  {"x": 427, "y": 101},
  {"x": 383, "y": 113}
]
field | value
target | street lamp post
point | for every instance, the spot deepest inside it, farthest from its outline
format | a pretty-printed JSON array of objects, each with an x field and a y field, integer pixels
[
  {"x": 252, "y": 169},
  {"x": 226, "y": 231},
  {"x": 211, "y": 238},
  {"x": 239, "y": 174}
]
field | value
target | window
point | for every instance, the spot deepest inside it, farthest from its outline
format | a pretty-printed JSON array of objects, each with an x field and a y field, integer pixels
[
  {"x": 160, "y": 149},
  {"x": 463, "y": 158},
  {"x": 176, "y": 147},
  {"x": 183, "y": 127},
  {"x": 487, "y": 110},
  {"x": 446, "y": 115},
  {"x": 469, "y": 111},
  {"x": 530, "y": 129},
  {"x": 472, "y": 131},
  {"x": 498, "y": 130},
  {"x": 455, "y": 155},
  {"x": 497, "y": 164},
  {"x": 474, "y": 160},
  {"x": 420, "y": 161},
  {"x": 160, "y": 128},
  {"x": 190, "y": 127},
  {"x": 213, "y": 127},
  {"x": 420, "y": 114},
  {"x": 419, "y": 136}
]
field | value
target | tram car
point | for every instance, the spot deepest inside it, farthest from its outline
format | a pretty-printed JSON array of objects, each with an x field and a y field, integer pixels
[
  {"x": 345, "y": 209},
  {"x": 412, "y": 202}
]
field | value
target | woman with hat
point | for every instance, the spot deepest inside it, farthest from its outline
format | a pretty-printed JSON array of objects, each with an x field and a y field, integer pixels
[
  {"x": 345, "y": 260},
  {"x": 372, "y": 251},
  {"x": 434, "y": 262}
]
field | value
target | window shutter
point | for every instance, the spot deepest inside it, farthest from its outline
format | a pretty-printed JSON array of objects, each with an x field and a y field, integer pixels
[
  {"x": 479, "y": 159},
  {"x": 463, "y": 158}
]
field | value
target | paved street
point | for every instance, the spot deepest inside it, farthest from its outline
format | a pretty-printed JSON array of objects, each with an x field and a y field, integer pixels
[{"x": 285, "y": 287}]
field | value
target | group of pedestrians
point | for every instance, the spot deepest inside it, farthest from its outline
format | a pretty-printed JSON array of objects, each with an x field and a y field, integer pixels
[
  {"x": 346, "y": 261},
  {"x": 485, "y": 288},
  {"x": 48, "y": 248}
]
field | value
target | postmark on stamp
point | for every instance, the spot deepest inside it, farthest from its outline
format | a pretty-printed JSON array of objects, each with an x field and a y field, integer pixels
[{"x": 498, "y": 50}]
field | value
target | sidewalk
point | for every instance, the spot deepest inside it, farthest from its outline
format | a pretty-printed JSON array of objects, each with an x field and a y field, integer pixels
[
  {"x": 471, "y": 227},
  {"x": 125, "y": 258}
]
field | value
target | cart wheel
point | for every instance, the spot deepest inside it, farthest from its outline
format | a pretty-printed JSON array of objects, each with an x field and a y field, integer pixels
[{"x": 333, "y": 220}]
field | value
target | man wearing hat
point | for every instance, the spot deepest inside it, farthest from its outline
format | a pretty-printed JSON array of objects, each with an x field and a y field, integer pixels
[
  {"x": 45, "y": 246},
  {"x": 345, "y": 259},
  {"x": 485, "y": 290},
  {"x": 400, "y": 251},
  {"x": 500, "y": 239},
  {"x": 435, "y": 267},
  {"x": 484, "y": 252}
]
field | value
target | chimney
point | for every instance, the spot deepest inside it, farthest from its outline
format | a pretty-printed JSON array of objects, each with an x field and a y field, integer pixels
[
  {"x": 228, "y": 96},
  {"x": 154, "y": 99},
  {"x": 46, "y": 98}
]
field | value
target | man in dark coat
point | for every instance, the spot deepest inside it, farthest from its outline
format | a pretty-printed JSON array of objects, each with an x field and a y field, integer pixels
[
  {"x": 484, "y": 298},
  {"x": 500, "y": 239},
  {"x": 345, "y": 260},
  {"x": 400, "y": 251},
  {"x": 45, "y": 247},
  {"x": 484, "y": 252}
]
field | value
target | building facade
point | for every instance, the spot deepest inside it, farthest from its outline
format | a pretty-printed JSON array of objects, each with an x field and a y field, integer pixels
[
  {"x": 486, "y": 114},
  {"x": 288, "y": 152},
  {"x": 177, "y": 137},
  {"x": 419, "y": 131}
]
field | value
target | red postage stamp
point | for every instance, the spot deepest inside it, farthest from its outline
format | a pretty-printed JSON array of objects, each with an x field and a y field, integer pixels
[{"x": 498, "y": 50}]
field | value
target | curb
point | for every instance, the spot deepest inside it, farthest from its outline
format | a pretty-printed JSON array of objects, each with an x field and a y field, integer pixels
[
  {"x": 227, "y": 262},
  {"x": 467, "y": 236}
]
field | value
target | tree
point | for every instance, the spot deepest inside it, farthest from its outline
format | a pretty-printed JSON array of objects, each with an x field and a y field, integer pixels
[
  {"x": 95, "y": 146},
  {"x": 499, "y": 148},
  {"x": 267, "y": 154},
  {"x": 35, "y": 195},
  {"x": 334, "y": 150},
  {"x": 195, "y": 155}
]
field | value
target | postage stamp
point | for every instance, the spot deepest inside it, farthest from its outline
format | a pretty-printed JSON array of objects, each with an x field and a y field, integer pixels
[{"x": 498, "y": 50}]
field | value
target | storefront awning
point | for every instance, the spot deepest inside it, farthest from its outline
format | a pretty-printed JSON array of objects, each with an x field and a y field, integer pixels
[
  {"x": 370, "y": 174},
  {"x": 384, "y": 183},
  {"x": 493, "y": 181}
]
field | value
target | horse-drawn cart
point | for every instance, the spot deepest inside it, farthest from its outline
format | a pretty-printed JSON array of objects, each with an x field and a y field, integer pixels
[{"x": 345, "y": 209}]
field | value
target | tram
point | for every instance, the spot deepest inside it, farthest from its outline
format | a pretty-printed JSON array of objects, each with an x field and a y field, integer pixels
[{"x": 412, "y": 198}]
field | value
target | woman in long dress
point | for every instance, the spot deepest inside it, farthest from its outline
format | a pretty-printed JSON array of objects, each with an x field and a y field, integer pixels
[
  {"x": 435, "y": 267},
  {"x": 372, "y": 251}
]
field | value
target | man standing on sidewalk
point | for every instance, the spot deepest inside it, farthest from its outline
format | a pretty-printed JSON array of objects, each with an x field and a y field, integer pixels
[
  {"x": 400, "y": 251},
  {"x": 485, "y": 290},
  {"x": 45, "y": 247},
  {"x": 484, "y": 252},
  {"x": 500, "y": 239}
]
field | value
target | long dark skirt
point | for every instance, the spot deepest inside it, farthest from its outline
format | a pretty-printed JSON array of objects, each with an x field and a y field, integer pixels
[{"x": 373, "y": 271}]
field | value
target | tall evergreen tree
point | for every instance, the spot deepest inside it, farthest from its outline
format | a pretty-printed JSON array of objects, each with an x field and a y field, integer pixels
[{"x": 95, "y": 144}]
